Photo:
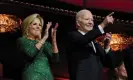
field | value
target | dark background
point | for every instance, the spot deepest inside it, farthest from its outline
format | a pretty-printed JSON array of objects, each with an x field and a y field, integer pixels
[{"x": 8, "y": 54}]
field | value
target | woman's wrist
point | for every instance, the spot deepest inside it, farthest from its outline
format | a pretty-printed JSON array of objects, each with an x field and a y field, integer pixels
[
  {"x": 44, "y": 38},
  {"x": 41, "y": 42},
  {"x": 54, "y": 47},
  {"x": 54, "y": 42},
  {"x": 55, "y": 50}
]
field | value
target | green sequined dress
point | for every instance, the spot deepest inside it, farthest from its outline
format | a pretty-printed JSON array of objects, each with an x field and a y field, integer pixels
[{"x": 36, "y": 62}]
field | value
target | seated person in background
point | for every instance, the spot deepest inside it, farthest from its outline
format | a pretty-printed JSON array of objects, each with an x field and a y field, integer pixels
[
  {"x": 119, "y": 73},
  {"x": 128, "y": 61}
]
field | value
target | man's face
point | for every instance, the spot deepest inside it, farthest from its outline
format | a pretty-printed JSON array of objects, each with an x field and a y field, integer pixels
[{"x": 85, "y": 21}]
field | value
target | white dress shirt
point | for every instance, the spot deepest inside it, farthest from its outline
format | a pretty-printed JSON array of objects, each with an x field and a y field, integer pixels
[{"x": 102, "y": 31}]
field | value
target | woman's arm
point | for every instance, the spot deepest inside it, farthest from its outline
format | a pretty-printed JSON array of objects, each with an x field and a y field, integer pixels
[
  {"x": 27, "y": 47},
  {"x": 55, "y": 56},
  {"x": 46, "y": 34}
]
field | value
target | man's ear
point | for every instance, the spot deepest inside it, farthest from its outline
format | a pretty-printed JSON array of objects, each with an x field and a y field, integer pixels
[{"x": 78, "y": 23}]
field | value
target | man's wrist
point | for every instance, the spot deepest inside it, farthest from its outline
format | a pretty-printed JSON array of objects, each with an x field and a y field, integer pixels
[
  {"x": 101, "y": 29},
  {"x": 103, "y": 25},
  {"x": 107, "y": 49}
]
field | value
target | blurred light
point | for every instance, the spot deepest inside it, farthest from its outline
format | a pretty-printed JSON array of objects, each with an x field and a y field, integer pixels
[
  {"x": 9, "y": 23},
  {"x": 118, "y": 42}
]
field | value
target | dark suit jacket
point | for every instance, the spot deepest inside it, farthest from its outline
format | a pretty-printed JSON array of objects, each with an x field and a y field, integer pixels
[{"x": 83, "y": 62}]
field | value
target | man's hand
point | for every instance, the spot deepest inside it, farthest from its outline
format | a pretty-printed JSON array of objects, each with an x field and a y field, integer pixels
[
  {"x": 107, "y": 40},
  {"x": 108, "y": 20}
]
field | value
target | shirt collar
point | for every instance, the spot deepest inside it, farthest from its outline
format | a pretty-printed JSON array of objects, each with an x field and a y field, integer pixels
[{"x": 83, "y": 33}]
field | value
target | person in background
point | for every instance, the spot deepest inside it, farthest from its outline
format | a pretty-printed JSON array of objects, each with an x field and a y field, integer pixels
[
  {"x": 119, "y": 73},
  {"x": 128, "y": 60}
]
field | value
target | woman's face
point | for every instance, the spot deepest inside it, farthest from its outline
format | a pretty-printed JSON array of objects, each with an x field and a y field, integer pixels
[{"x": 35, "y": 28}]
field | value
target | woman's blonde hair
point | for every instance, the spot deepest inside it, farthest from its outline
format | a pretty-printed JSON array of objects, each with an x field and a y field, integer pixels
[{"x": 28, "y": 20}]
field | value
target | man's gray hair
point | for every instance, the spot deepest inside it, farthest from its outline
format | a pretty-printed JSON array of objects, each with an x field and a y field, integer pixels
[{"x": 81, "y": 13}]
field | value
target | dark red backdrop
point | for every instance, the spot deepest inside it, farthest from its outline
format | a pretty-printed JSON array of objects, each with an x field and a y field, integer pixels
[{"x": 115, "y": 5}]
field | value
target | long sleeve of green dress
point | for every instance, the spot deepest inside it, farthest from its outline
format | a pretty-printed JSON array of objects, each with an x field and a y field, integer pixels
[{"x": 36, "y": 63}]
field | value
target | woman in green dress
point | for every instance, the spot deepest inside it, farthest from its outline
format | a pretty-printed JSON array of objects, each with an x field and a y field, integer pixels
[{"x": 35, "y": 50}]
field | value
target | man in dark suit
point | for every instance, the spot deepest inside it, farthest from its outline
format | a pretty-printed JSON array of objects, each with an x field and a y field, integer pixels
[{"x": 85, "y": 57}]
